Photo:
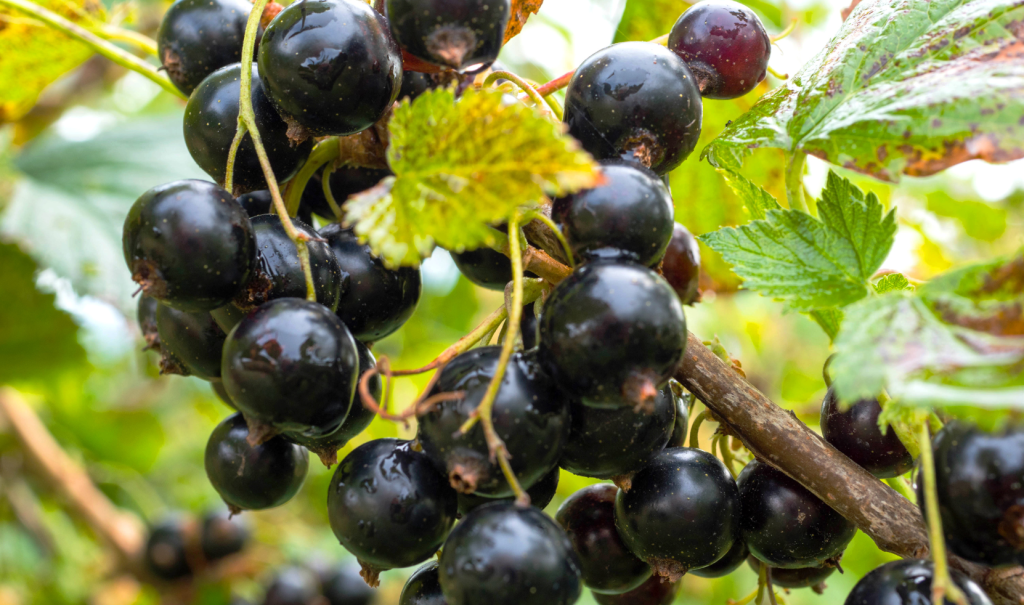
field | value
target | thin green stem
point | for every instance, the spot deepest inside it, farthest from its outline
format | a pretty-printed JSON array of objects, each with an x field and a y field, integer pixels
[
  {"x": 540, "y": 216},
  {"x": 942, "y": 584},
  {"x": 95, "y": 42},
  {"x": 229, "y": 172},
  {"x": 127, "y": 36},
  {"x": 795, "y": 180},
  {"x": 526, "y": 87},
  {"x": 747, "y": 599},
  {"x": 328, "y": 194},
  {"x": 901, "y": 487},
  {"x": 325, "y": 151},
  {"x": 695, "y": 429},
  {"x": 727, "y": 457}
]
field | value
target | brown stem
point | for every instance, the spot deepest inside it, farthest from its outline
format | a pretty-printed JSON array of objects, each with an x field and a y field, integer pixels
[{"x": 557, "y": 84}]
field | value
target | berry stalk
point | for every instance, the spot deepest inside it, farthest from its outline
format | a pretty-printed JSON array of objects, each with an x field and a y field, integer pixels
[
  {"x": 525, "y": 86},
  {"x": 127, "y": 36},
  {"x": 328, "y": 194},
  {"x": 942, "y": 584},
  {"x": 229, "y": 172},
  {"x": 325, "y": 151},
  {"x": 794, "y": 180}
]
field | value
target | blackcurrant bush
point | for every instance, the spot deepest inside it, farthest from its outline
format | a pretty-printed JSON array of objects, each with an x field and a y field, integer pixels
[
  {"x": 166, "y": 553},
  {"x": 681, "y": 512},
  {"x": 655, "y": 591},
  {"x": 628, "y": 217},
  {"x": 681, "y": 265},
  {"x": 253, "y": 477},
  {"x": 529, "y": 415},
  {"x": 376, "y": 300},
  {"x": 331, "y": 67},
  {"x": 608, "y": 443},
  {"x": 346, "y": 181},
  {"x": 261, "y": 202},
  {"x": 460, "y": 34},
  {"x": 198, "y": 37},
  {"x": 908, "y": 582},
  {"x": 801, "y": 577},
  {"x": 343, "y": 586},
  {"x": 293, "y": 585},
  {"x": 192, "y": 341},
  {"x": 980, "y": 484},
  {"x": 189, "y": 245},
  {"x": 423, "y": 587},
  {"x": 528, "y": 326},
  {"x": 389, "y": 506},
  {"x": 222, "y": 536},
  {"x": 541, "y": 494},
  {"x": 612, "y": 334},
  {"x": 146, "y": 315},
  {"x": 503, "y": 554},
  {"x": 291, "y": 364},
  {"x": 725, "y": 46},
  {"x": 855, "y": 433},
  {"x": 606, "y": 564},
  {"x": 727, "y": 564},
  {"x": 484, "y": 267},
  {"x": 211, "y": 119},
  {"x": 787, "y": 526},
  {"x": 636, "y": 101}
]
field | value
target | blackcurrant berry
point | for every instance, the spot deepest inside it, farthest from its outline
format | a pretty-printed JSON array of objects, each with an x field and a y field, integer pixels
[
  {"x": 146, "y": 315},
  {"x": 628, "y": 217},
  {"x": 189, "y": 245},
  {"x": 727, "y": 564},
  {"x": 198, "y": 37},
  {"x": 980, "y": 484},
  {"x": 636, "y": 101},
  {"x": 612, "y": 334},
  {"x": 211, "y": 119},
  {"x": 343, "y": 586},
  {"x": 725, "y": 46},
  {"x": 261, "y": 202},
  {"x": 222, "y": 394},
  {"x": 192, "y": 340},
  {"x": 330, "y": 67},
  {"x": 681, "y": 512},
  {"x": 787, "y": 526},
  {"x": 346, "y": 181},
  {"x": 166, "y": 553},
  {"x": 607, "y": 443},
  {"x": 801, "y": 577},
  {"x": 528, "y": 326},
  {"x": 606, "y": 564},
  {"x": 681, "y": 265},
  {"x": 423, "y": 587},
  {"x": 681, "y": 431},
  {"x": 503, "y": 554},
  {"x": 293, "y": 585},
  {"x": 529, "y": 415},
  {"x": 460, "y": 34},
  {"x": 222, "y": 536},
  {"x": 541, "y": 494},
  {"x": 655, "y": 591},
  {"x": 376, "y": 300},
  {"x": 908, "y": 582},
  {"x": 291, "y": 364},
  {"x": 253, "y": 477},
  {"x": 855, "y": 433},
  {"x": 414, "y": 84},
  {"x": 484, "y": 267},
  {"x": 389, "y": 506}
]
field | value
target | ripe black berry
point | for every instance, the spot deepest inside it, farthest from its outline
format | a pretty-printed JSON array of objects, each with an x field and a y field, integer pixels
[
  {"x": 655, "y": 591},
  {"x": 612, "y": 334},
  {"x": 376, "y": 300},
  {"x": 855, "y": 433},
  {"x": 253, "y": 477},
  {"x": 389, "y": 506},
  {"x": 291, "y": 364},
  {"x": 293, "y": 586},
  {"x": 787, "y": 526},
  {"x": 727, "y": 564},
  {"x": 725, "y": 46},
  {"x": 198, "y": 37},
  {"x": 541, "y": 494},
  {"x": 261, "y": 202},
  {"x": 343, "y": 586},
  {"x": 484, "y": 267},
  {"x": 345, "y": 181},
  {"x": 460, "y": 34},
  {"x": 908, "y": 582},
  {"x": 681, "y": 431},
  {"x": 222, "y": 536},
  {"x": 414, "y": 84},
  {"x": 166, "y": 554},
  {"x": 636, "y": 101},
  {"x": 606, "y": 564},
  {"x": 801, "y": 577},
  {"x": 682, "y": 512},
  {"x": 146, "y": 316},
  {"x": 503, "y": 554},
  {"x": 211, "y": 119},
  {"x": 607, "y": 443},
  {"x": 528, "y": 326},
  {"x": 330, "y": 67},
  {"x": 189, "y": 245},
  {"x": 529, "y": 415},
  {"x": 681, "y": 265},
  {"x": 628, "y": 217},
  {"x": 218, "y": 389},
  {"x": 423, "y": 587},
  {"x": 191, "y": 343}
]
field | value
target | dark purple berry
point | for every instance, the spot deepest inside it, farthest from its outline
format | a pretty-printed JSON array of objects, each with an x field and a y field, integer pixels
[
  {"x": 681, "y": 265},
  {"x": 191, "y": 343},
  {"x": 261, "y": 202},
  {"x": 423, "y": 587},
  {"x": 343, "y": 586},
  {"x": 655, "y": 591},
  {"x": 484, "y": 267},
  {"x": 529, "y": 326},
  {"x": 855, "y": 433},
  {"x": 908, "y": 582},
  {"x": 222, "y": 394},
  {"x": 541, "y": 494},
  {"x": 414, "y": 84},
  {"x": 729, "y": 563},
  {"x": 801, "y": 577},
  {"x": 166, "y": 552},
  {"x": 460, "y": 34},
  {"x": 346, "y": 181},
  {"x": 222, "y": 536},
  {"x": 681, "y": 431},
  {"x": 146, "y": 316},
  {"x": 198, "y": 37},
  {"x": 293, "y": 586}
]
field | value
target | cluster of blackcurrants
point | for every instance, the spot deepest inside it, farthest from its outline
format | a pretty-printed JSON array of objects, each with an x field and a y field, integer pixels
[
  {"x": 179, "y": 546},
  {"x": 316, "y": 583}
]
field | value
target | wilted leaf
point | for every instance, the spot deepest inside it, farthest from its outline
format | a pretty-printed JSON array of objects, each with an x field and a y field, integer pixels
[{"x": 521, "y": 11}]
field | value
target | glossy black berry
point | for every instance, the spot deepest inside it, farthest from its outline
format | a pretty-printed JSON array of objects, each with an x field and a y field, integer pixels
[
  {"x": 423, "y": 587},
  {"x": 222, "y": 535},
  {"x": 681, "y": 512},
  {"x": 606, "y": 563},
  {"x": 855, "y": 433},
  {"x": 331, "y": 67},
  {"x": 376, "y": 300},
  {"x": 198, "y": 37},
  {"x": 503, "y": 554},
  {"x": 389, "y": 506},
  {"x": 293, "y": 586},
  {"x": 191, "y": 343},
  {"x": 166, "y": 553},
  {"x": 681, "y": 431},
  {"x": 655, "y": 591},
  {"x": 253, "y": 477},
  {"x": 541, "y": 494},
  {"x": 729, "y": 563},
  {"x": 189, "y": 245},
  {"x": 414, "y": 84},
  {"x": 787, "y": 526},
  {"x": 980, "y": 484},
  {"x": 261, "y": 202},
  {"x": 484, "y": 267},
  {"x": 612, "y": 334},
  {"x": 725, "y": 46},
  {"x": 529, "y": 415},
  {"x": 222, "y": 394},
  {"x": 460, "y": 34},
  {"x": 681, "y": 265},
  {"x": 342, "y": 585},
  {"x": 636, "y": 101},
  {"x": 801, "y": 577},
  {"x": 628, "y": 217},
  {"x": 908, "y": 582},
  {"x": 345, "y": 181},
  {"x": 211, "y": 119},
  {"x": 529, "y": 326},
  {"x": 146, "y": 316},
  {"x": 608, "y": 443},
  {"x": 292, "y": 365}
]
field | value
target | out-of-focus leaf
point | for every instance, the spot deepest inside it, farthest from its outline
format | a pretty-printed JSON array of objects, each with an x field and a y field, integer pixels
[
  {"x": 894, "y": 282},
  {"x": 907, "y": 87},
  {"x": 980, "y": 220},
  {"x": 829, "y": 320},
  {"x": 521, "y": 11}
]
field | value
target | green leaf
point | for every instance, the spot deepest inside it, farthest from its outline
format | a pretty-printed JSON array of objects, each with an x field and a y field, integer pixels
[
  {"x": 909, "y": 87},
  {"x": 757, "y": 201},
  {"x": 461, "y": 167},
  {"x": 829, "y": 319},
  {"x": 980, "y": 220},
  {"x": 894, "y": 282}
]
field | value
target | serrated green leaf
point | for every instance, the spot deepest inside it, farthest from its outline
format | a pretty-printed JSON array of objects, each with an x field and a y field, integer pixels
[
  {"x": 460, "y": 167},
  {"x": 909, "y": 87},
  {"x": 757, "y": 201},
  {"x": 858, "y": 220},
  {"x": 894, "y": 282}
]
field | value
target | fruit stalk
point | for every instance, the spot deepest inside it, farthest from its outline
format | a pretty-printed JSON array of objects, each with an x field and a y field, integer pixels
[
  {"x": 525, "y": 86},
  {"x": 794, "y": 180},
  {"x": 127, "y": 36},
  {"x": 942, "y": 584},
  {"x": 325, "y": 151},
  {"x": 229, "y": 172},
  {"x": 328, "y": 194},
  {"x": 555, "y": 85}
]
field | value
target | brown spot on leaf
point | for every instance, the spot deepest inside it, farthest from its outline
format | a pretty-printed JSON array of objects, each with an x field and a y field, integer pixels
[
  {"x": 834, "y": 88},
  {"x": 922, "y": 162},
  {"x": 963, "y": 31},
  {"x": 882, "y": 152},
  {"x": 521, "y": 11},
  {"x": 849, "y": 9}
]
